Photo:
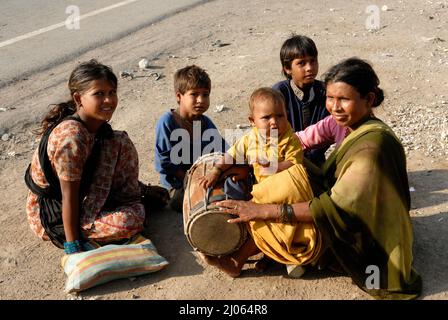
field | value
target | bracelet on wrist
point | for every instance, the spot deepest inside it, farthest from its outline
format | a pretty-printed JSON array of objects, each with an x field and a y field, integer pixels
[
  {"x": 72, "y": 247},
  {"x": 286, "y": 213},
  {"x": 290, "y": 213},
  {"x": 281, "y": 214}
]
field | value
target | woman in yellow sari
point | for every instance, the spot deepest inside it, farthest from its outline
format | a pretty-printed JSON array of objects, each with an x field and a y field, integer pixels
[{"x": 361, "y": 197}]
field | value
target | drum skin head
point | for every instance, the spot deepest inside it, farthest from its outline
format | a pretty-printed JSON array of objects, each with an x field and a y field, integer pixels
[
  {"x": 211, "y": 234},
  {"x": 206, "y": 228}
]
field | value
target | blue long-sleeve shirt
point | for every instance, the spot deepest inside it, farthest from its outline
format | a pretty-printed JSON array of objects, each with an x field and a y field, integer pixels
[
  {"x": 294, "y": 111},
  {"x": 176, "y": 150}
]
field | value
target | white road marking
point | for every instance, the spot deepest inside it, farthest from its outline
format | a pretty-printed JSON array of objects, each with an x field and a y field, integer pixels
[{"x": 62, "y": 24}]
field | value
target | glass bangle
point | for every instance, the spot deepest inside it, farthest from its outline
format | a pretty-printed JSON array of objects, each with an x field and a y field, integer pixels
[{"x": 72, "y": 247}]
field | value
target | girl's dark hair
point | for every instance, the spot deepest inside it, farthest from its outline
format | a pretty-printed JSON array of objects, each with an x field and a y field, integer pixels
[
  {"x": 359, "y": 74},
  {"x": 79, "y": 81},
  {"x": 298, "y": 46}
]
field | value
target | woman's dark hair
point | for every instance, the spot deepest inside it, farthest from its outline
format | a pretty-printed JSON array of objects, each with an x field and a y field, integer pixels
[
  {"x": 79, "y": 81},
  {"x": 359, "y": 74},
  {"x": 297, "y": 46}
]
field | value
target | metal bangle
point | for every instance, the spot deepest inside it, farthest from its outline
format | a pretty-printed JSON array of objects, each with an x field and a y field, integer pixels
[
  {"x": 283, "y": 214},
  {"x": 280, "y": 213},
  {"x": 290, "y": 212}
]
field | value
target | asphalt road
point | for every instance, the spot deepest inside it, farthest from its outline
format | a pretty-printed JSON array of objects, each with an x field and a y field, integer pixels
[{"x": 36, "y": 35}]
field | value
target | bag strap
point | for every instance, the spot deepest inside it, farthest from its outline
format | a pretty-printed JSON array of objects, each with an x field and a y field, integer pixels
[{"x": 54, "y": 188}]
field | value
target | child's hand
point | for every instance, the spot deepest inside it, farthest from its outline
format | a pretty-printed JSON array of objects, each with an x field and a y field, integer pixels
[
  {"x": 209, "y": 180},
  {"x": 261, "y": 162},
  {"x": 267, "y": 170},
  {"x": 264, "y": 166}
]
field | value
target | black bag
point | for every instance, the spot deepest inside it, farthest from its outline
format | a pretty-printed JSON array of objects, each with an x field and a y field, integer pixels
[{"x": 50, "y": 198}]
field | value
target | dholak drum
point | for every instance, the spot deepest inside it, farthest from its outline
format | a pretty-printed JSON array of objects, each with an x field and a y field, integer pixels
[{"x": 205, "y": 227}]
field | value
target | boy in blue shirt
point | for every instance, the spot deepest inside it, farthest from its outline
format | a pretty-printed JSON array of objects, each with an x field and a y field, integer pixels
[
  {"x": 185, "y": 133},
  {"x": 304, "y": 95}
]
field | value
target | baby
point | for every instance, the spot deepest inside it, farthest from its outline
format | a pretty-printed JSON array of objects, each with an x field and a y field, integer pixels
[{"x": 270, "y": 147}]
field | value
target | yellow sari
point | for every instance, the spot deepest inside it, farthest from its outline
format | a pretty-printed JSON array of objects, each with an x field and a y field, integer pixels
[{"x": 287, "y": 243}]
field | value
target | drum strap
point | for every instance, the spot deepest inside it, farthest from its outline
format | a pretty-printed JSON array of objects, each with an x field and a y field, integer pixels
[
  {"x": 208, "y": 199},
  {"x": 231, "y": 190},
  {"x": 217, "y": 198}
]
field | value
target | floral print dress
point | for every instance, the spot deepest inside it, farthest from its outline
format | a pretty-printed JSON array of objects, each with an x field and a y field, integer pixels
[{"x": 111, "y": 209}]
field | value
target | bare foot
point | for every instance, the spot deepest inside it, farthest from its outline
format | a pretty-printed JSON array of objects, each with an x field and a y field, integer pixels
[{"x": 226, "y": 264}]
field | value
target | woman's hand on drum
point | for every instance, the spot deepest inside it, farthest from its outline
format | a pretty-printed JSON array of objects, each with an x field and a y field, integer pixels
[{"x": 245, "y": 210}]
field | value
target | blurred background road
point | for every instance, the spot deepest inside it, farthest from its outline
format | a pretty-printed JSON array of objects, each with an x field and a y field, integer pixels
[{"x": 36, "y": 35}]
